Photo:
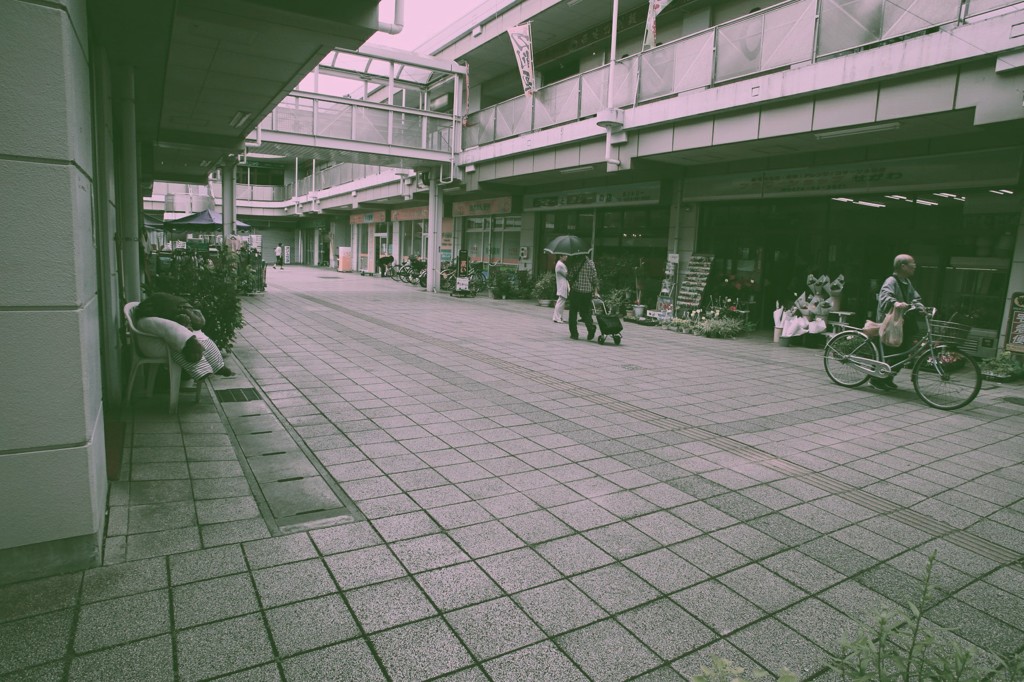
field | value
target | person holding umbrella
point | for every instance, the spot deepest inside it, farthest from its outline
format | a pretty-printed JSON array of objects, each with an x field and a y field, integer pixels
[
  {"x": 583, "y": 283},
  {"x": 582, "y": 290},
  {"x": 561, "y": 288}
]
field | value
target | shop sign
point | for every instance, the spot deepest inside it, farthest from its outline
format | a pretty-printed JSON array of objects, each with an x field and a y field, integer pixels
[
  {"x": 1015, "y": 335},
  {"x": 369, "y": 217},
  {"x": 971, "y": 169},
  {"x": 447, "y": 235},
  {"x": 620, "y": 195},
  {"x": 493, "y": 206},
  {"x": 416, "y": 213}
]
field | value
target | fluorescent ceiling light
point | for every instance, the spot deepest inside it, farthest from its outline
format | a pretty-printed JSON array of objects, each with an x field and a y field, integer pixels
[
  {"x": 573, "y": 3},
  {"x": 1001, "y": 191},
  {"x": 862, "y": 130},
  {"x": 843, "y": 199},
  {"x": 926, "y": 203},
  {"x": 578, "y": 169},
  {"x": 868, "y": 203}
]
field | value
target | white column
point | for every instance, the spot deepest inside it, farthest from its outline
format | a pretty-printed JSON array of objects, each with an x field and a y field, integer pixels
[
  {"x": 128, "y": 184},
  {"x": 227, "y": 187},
  {"x": 435, "y": 213}
]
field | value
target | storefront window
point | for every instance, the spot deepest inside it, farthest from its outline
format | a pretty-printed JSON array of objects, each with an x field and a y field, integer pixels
[
  {"x": 412, "y": 237},
  {"x": 492, "y": 239},
  {"x": 963, "y": 243}
]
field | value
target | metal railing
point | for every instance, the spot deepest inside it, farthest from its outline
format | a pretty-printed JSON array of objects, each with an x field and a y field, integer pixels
[
  {"x": 342, "y": 118},
  {"x": 796, "y": 32}
]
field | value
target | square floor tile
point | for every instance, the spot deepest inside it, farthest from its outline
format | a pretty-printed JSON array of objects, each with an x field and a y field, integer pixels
[
  {"x": 216, "y": 599},
  {"x": 420, "y": 650},
  {"x": 541, "y": 662},
  {"x": 121, "y": 620},
  {"x": 224, "y": 647},
  {"x": 607, "y": 651},
  {"x": 667, "y": 629},
  {"x": 364, "y": 567},
  {"x": 718, "y": 606},
  {"x": 665, "y": 570},
  {"x": 456, "y": 586},
  {"x": 615, "y": 588},
  {"x": 559, "y": 606},
  {"x": 425, "y": 553},
  {"x": 537, "y": 526},
  {"x": 124, "y": 579},
  {"x": 621, "y": 540},
  {"x": 280, "y": 550},
  {"x": 346, "y": 661},
  {"x": 34, "y": 640},
  {"x": 484, "y": 539},
  {"x": 573, "y": 554},
  {"x": 293, "y": 582},
  {"x": 150, "y": 659},
  {"x": 206, "y": 563},
  {"x": 519, "y": 569},
  {"x": 311, "y": 624},
  {"x": 385, "y": 605},
  {"x": 494, "y": 627},
  {"x": 345, "y": 537}
]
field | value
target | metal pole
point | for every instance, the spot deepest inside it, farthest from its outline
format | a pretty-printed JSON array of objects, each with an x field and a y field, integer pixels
[
  {"x": 129, "y": 204},
  {"x": 227, "y": 190},
  {"x": 611, "y": 64}
]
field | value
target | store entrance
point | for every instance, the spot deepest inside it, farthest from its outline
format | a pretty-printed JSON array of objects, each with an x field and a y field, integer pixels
[{"x": 963, "y": 243}]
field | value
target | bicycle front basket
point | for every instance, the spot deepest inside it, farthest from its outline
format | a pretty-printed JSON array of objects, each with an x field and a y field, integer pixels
[{"x": 949, "y": 332}]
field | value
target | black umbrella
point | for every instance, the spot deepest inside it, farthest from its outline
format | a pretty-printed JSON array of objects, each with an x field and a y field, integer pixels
[{"x": 567, "y": 245}]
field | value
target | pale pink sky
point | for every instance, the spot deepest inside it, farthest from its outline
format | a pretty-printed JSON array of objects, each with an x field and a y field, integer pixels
[{"x": 426, "y": 18}]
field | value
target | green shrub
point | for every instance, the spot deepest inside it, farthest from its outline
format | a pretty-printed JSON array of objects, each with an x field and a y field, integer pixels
[
  {"x": 1004, "y": 364},
  {"x": 897, "y": 646},
  {"x": 544, "y": 286},
  {"x": 618, "y": 300},
  {"x": 722, "y": 328},
  {"x": 209, "y": 282}
]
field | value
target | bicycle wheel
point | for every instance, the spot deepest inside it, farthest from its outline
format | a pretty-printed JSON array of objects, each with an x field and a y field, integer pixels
[
  {"x": 946, "y": 378},
  {"x": 396, "y": 273},
  {"x": 838, "y": 353}
]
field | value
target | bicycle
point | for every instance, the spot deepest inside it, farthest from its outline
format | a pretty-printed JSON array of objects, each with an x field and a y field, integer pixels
[{"x": 943, "y": 377}]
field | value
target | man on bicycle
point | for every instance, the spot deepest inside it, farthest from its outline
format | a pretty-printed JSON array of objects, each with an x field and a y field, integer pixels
[{"x": 898, "y": 292}]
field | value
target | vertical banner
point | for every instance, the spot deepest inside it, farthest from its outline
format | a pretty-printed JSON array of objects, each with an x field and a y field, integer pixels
[
  {"x": 522, "y": 45},
  {"x": 653, "y": 10}
]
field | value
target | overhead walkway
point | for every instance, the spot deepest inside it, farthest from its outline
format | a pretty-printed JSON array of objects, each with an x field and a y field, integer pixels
[{"x": 373, "y": 107}]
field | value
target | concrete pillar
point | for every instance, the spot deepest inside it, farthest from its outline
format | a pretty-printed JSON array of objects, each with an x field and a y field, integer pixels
[
  {"x": 128, "y": 183},
  {"x": 52, "y": 473},
  {"x": 435, "y": 213},
  {"x": 227, "y": 186}
]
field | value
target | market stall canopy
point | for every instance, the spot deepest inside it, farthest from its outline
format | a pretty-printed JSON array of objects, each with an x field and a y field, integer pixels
[
  {"x": 206, "y": 217},
  {"x": 151, "y": 222},
  {"x": 567, "y": 245}
]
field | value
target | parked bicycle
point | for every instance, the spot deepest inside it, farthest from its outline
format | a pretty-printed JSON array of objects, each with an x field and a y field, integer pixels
[{"x": 943, "y": 377}]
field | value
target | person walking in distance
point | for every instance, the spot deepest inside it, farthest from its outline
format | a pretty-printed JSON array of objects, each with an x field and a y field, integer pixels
[
  {"x": 561, "y": 288},
  {"x": 583, "y": 286},
  {"x": 897, "y": 293},
  {"x": 279, "y": 256}
]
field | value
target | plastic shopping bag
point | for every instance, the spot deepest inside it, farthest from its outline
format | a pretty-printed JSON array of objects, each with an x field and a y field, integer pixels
[{"x": 892, "y": 328}]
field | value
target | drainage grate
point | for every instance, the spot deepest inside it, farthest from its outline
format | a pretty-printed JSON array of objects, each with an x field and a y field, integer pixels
[
  {"x": 237, "y": 395},
  {"x": 1014, "y": 400}
]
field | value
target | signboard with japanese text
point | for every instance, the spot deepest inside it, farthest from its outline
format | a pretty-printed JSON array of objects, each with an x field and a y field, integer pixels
[
  {"x": 644, "y": 194},
  {"x": 368, "y": 217},
  {"x": 971, "y": 169},
  {"x": 492, "y": 206},
  {"x": 1015, "y": 333},
  {"x": 415, "y": 213}
]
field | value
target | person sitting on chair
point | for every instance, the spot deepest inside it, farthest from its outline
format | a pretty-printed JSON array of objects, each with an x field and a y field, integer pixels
[{"x": 179, "y": 324}]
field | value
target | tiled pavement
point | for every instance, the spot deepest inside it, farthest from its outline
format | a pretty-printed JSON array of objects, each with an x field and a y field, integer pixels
[{"x": 475, "y": 496}]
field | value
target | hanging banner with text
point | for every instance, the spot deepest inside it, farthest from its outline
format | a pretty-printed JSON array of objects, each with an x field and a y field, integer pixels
[
  {"x": 653, "y": 10},
  {"x": 522, "y": 45},
  {"x": 369, "y": 217}
]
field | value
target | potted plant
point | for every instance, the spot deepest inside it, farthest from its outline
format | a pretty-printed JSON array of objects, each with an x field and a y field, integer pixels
[
  {"x": 617, "y": 300},
  {"x": 544, "y": 289},
  {"x": 501, "y": 284},
  {"x": 1003, "y": 367}
]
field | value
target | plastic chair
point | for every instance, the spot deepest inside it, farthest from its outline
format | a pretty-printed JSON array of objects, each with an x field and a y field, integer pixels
[{"x": 149, "y": 349}]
